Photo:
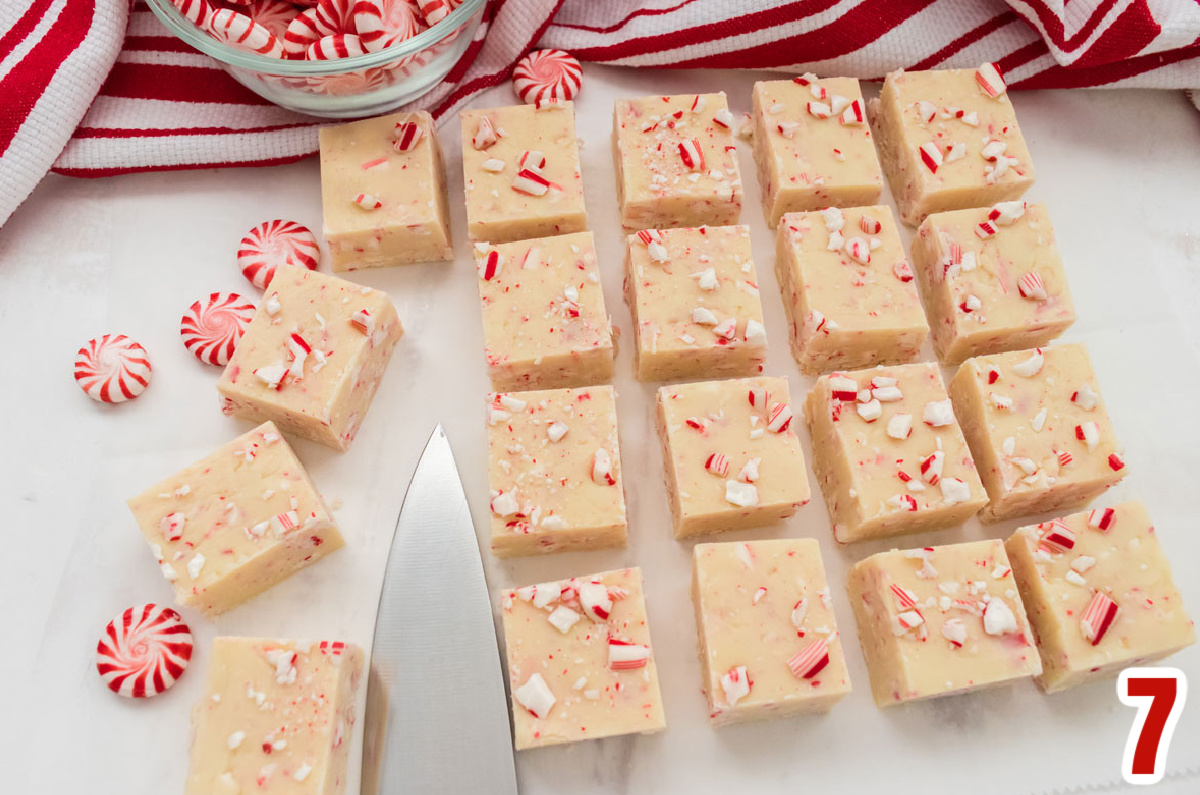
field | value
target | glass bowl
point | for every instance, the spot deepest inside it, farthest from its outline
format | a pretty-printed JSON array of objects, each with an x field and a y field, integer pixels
[{"x": 366, "y": 85}]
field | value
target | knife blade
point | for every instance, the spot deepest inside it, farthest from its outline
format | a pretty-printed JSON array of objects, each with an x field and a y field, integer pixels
[{"x": 437, "y": 715}]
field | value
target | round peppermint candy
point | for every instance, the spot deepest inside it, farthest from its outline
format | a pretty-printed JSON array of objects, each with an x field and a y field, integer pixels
[
  {"x": 239, "y": 30},
  {"x": 198, "y": 12},
  {"x": 330, "y": 48},
  {"x": 112, "y": 369},
  {"x": 335, "y": 16},
  {"x": 143, "y": 651},
  {"x": 212, "y": 327},
  {"x": 382, "y": 23},
  {"x": 274, "y": 15},
  {"x": 303, "y": 31},
  {"x": 547, "y": 74},
  {"x": 275, "y": 243}
]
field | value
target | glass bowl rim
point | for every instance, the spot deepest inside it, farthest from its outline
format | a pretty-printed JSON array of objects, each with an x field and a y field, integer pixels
[{"x": 191, "y": 34}]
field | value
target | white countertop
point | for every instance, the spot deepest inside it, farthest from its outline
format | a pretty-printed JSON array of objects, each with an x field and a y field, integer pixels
[{"x": 1119, "y": 171}]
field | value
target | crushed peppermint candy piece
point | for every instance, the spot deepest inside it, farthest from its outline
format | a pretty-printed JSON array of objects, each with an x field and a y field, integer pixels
[
  {"x": 531, "y": 183},
  {"x": 535, "y": 696},
  {"x": 171, "y": 526},
  {"x": 910, "y": 619},
  {"x": 931, "y": 467},
  {"x": 954, "y": 491},
  {"x": 799, "y": 612},
  {"x": 905, "y": 599},
  {"x": 505, "y": 504},
  {"x": 957, "y": 150},
  {"x": 993, "y": 150},
  {"x": 1088, "y": 433},
  {"x": 602, "y": 469},
  {"x": 1115, "y": 462},
  {"x": 717, "y": 464},
  {"x": 954, "y": 631},
  {"x": 886, "y": 393},
  {"x": 853, "y": 115},
  {"x": 998, "y": 618},
  {"x": 1101, "y": 518},
  {"x": 485, "y": 134},
  {"x": 1004, "y": 213},
  {"x": 726, "y": 329},
  {"x": 408, "y": 135},
  {"x": 1031, "y": 286},
  {"x": 557, "y": 430},
  {"x": 691, "y": 154},
  {"x": 532, "y": 159},
  {"x": 1100, "y": 614},
  {"x": 859, "y": 250},
  {"x": 842, "y": 388},
  {"x": 596, "y": 601},
  {"x": 931, "y": 156},
  {"x": 491, "y": 265},
  {"x": 871, "y": 410},
  {"x": 938, "y": 413},
  {"x": 366, "y": 201},
  {"x": 736, "y": 684},
  {"x": 1058, "y": 537},
  {"x": 363, "y": 321},
  {"x": 707, "y": 279},
  {"x": 900, "y": 426},
  {"x": 819, "y": 110},
  {"x": 272, "y": 375},
  {"x": 625, "y": 656},
  {"x": 743, "y": 495},
  {"x": 749, "y": 470},
  {"x": 779, "y": 417},
  {"x": 835, "y": 219},
  {"x": 1085, "y": 397},
  {"x": 1083, "y": 563},
  {"x": 990, "y": 80},
  {"x": 1031, "y": 366},
  {"x": 563, "y": 618},
  {"x": 811, "y": 660}
]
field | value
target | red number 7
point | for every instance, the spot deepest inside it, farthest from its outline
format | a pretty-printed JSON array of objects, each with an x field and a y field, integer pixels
[{"x": 1159, "y": 695}]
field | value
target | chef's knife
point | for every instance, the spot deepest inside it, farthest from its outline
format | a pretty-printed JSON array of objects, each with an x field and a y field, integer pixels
[{"x": 437, "y": 716}]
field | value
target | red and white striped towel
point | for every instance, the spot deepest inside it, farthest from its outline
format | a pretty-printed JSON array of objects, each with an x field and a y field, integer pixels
[{"x": 165, "y": 106}]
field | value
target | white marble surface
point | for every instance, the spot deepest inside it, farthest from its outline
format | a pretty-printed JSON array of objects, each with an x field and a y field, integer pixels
[{"x": 1119, "y": 171}]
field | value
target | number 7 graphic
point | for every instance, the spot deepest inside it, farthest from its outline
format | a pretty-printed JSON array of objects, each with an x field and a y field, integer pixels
[{"x": 1159, "y": 695}]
